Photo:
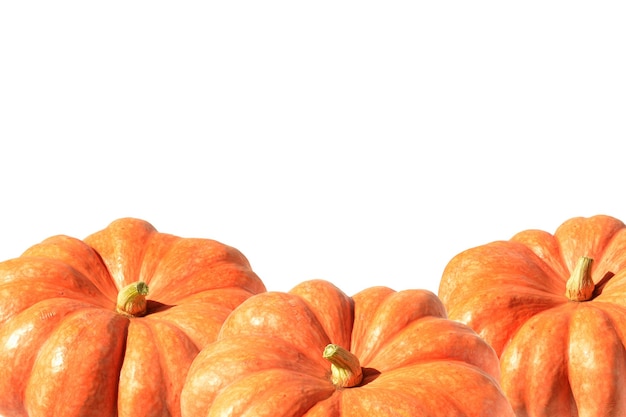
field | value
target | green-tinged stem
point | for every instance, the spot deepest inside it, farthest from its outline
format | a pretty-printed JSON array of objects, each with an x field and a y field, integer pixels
[
  {"x": 131, "y": 300},
  {"x": 344, "y": 366},
  {"x": 580, "y": 286}
]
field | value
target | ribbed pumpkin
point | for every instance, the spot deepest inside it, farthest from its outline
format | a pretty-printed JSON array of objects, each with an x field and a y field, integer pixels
[
  {"x": 109, "y": 325},
  {"x": 553, "y": 306},
  {"x": 314, "y": 351}
]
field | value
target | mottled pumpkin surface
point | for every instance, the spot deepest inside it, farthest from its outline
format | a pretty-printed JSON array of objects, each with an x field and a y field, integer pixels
[
  {"x": 268, "y": 360},
  {"x": 66, "y": 351},
  {"x": 560, "y": 355}
]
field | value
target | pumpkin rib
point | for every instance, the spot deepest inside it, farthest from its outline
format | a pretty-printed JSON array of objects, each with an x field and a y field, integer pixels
[
  {"x": 285, "y": 314},
  {"x": 78, "y": 256},
  {"x": 122, "y": 246},
  {"x": 436, "y": 389},
  {"x": 512, "y": 306},
  {"x": 526, "y": 380},
  {"x": 385, "y": 323},
  {"x": 27, "y": 281},
  {"x": 213, "y": 265},
  {"x": 205, "y": 277},
  {"x": 592, "y": 236},
  {"x": 468, "y": 293},
  {"x": 236, "y": 361},
  {"x": 328, "y": 407},
  {"x": 514, "y": 263},
  {"x": 229, "y": 297},
  {"x": 596, "y": 359},
  {"x": 159, "y": 248},
  {"x": 389, "y": 401},
  {"x": 263, "y": 392},
  {"x": 545, "y": 246},
  {"x": 433, "y": 339},
  {"x": 167, "y": 349},
  {"x": 333, "y": 309},
  {"x": 144, "y": 385},
  {"x": 612, "y": 261},
  {"x": 59, "y": 364},
  {"x": 194, "y": 320},
  {"x": 365, "y": 307},
  {"x": 525, "y": 374},
  {"x": 18, "y": 336},
  {"x": 15, "y": 302}
]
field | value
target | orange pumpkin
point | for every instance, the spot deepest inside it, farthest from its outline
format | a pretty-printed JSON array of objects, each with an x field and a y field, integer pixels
[
  {"x": 316, "y": 352},
  {"x": 109, "y": 325},
  {"x": 554, "y": 309}
]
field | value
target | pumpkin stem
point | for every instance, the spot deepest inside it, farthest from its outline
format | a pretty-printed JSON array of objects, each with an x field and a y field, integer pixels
[
  {"x": 131, "y": 300},
  {"x": 345, "y": 368},
  {"x": 580, "y": 286}
]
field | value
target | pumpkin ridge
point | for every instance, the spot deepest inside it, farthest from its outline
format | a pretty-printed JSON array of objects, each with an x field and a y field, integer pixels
[
  {"x": 304, "y": 391},
  {"x": 586, "y": 236},
  {"x": 614, "y": 314},
  {"x": 195, "y": 337},
  {"x": 384, "y": 323},
  {"x": 150, "y": 401},
  {"x": 29, "y": 279},
  {"x": 597, "y": 359},
  {"x": 437, "y": 394},
  {"x": 157, "y": 247},
  {"x": 526, "y": 380},
  {"x": 241, "y": 357},
  {"x": 171, "y": 393},
  {"x": 76, "y": 326},
  {"x": 550, "y": 275},
  {"x": 76, "y": 255},
  {"x": 34, "y": 324},
  {"x": 512, "y": 306},
  {"x": 122, "y": 246},
  {"x": 332, "y": 308},
  {"x": 434, "y": 339},
  {"x": 463, "y": 278},
  {"x": 365, "y": 304},
  {"x": 387, "y": 396},
  {"x": 223, "y": 274},
  {"x": 284, "y": 313},
  {"x": 172, "y": 351}
]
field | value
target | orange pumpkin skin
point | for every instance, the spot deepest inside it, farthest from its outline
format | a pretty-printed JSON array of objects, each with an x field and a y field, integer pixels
[
  {"x": 65, "y": 351},
  {"x": 558, "y": 357},
  {"x": 415, "y": 362}
]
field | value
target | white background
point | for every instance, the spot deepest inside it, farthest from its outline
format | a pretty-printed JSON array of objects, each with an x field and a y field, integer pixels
[{"x": 365, "y": 143}]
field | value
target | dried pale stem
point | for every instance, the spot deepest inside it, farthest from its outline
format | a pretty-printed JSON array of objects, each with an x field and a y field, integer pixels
[
  {"x": 345, "y": 368},
  {"x": 580, "y": 286},
  {"x": 131, "y": 300}
]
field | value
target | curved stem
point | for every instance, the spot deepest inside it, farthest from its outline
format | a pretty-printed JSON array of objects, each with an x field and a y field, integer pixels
[
  {"x": 580, "y": 286},
  {"x": 131, "y": 300},
  {"x": 345, "y": 368}
]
